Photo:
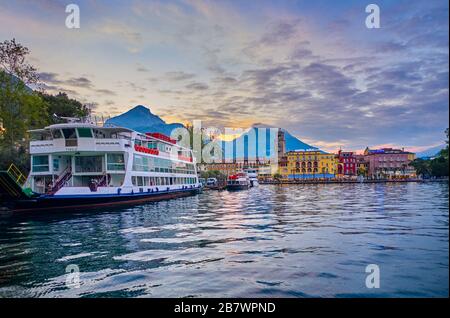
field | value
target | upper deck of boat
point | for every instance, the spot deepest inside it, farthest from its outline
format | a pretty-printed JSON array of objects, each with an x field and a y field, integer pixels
[{"x": 78, "y": 137}]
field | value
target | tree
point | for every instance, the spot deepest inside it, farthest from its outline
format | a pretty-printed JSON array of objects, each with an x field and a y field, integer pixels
[
  {"x": 361, "y": 171},
  {"x": 422, "y": 167},
  {"x": 62, "y": 105},
  {"x": 277, "y": 177},
  {"x": 20, "y": 108},
  {"x": 12, "y": 61},
  {"x": 436, "y": 167},
  {"x": 213, "y": 174}
]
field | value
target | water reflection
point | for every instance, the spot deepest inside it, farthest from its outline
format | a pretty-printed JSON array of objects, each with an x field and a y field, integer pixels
[{"x": 292, "y": 241}]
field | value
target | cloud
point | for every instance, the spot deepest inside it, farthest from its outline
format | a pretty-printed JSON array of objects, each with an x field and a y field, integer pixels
[
  {"x": 197, "y": 86},
  {"x": 53, "y": 83},
  {"x": 121, "y": 31},
  {"x": 105, "y": 92},
  {"x": 279, "y": 33},
  {"x": 79, "y": 82},
  {"x": 179, "y": 76},
  {"x": 319, "y": 73},
  {"x": 142, "y": 69}
]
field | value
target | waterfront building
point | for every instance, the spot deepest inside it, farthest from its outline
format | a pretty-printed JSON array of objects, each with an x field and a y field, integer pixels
[
  {"x": 307, "y": 164},
  {"x": 253, "y": 157},
  {"x": 389, "y": 163},
  {"x": 346, "y": 164},
  {"x": 361, "y": 165},
  {"x": 264, "y": 167}
]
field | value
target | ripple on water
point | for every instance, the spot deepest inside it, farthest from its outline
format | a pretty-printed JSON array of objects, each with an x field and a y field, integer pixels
[{"x": 271, "y": 241}]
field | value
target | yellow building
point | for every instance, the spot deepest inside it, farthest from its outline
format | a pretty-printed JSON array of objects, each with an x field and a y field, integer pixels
[
  {"x": 411, "y": 156},
  {"x": 308, "y": 164},
  {"x": 264, "y": 169}
]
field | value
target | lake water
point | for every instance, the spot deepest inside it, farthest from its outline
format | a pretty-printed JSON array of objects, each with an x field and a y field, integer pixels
[{"x": 270, "y": 241}]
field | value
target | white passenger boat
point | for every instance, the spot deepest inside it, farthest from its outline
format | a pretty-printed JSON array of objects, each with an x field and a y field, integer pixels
[
  {"x": 82, "y": 165},
  {"x": 253, "y": 176}
]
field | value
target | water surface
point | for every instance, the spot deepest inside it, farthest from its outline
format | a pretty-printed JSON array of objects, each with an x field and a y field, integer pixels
[{"x": 270, "y": 241}]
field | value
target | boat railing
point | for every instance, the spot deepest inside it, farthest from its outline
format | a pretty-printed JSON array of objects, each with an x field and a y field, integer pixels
[
  {"x": 16, "y": 174},
  {"x": 104, "y": 181},
  {"x": 62, "y": 179}
]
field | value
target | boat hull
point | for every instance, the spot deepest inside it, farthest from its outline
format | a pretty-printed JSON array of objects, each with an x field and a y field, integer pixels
[
  {"x": 236, "y": 187},
  {"x": 85, "y": 202}
]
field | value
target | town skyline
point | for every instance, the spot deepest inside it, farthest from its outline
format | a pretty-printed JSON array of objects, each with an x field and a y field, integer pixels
[{"x": 318, "y": 73}]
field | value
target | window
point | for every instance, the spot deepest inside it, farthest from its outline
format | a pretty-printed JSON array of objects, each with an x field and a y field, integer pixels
[
  {"x": 115, "y": 162},
  {"x": 57, "y": 134},
  {"x": 40, "y": 164},
  {"x": 84, "y": 132},
  {"x": 55, "y": 165},
  {"x": 88, "y": 164},
  {"x": 69, "y": 133}
]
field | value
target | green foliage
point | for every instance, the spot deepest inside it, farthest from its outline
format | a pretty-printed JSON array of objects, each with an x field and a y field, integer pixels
[
  {"x": 422, "y": 167},
  {"x": 21, "y": 108},
  {"x": 439, "y": 167},
  {"x": 277, "y": 176},
  {"x": 63, "y": 106},
  {"x": 436, "y": 167},
  {"x": 361, "y": 172}
]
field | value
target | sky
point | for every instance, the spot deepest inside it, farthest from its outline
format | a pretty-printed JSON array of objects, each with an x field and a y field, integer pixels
[{"x": 311, "y": 67}]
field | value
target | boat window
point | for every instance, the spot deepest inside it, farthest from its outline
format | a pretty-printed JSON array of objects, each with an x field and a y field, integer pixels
[
  {"x": 40, "y": 164},
  {"x": 40, "y": 136},
  {"x": 57, "y": 134},
  {"x": 115, "y": 162},
  {"x": 88, "y": 164},
  {"x": 84, "y": 132},
  {"x": 69, "y": 133},
  {"x": 55, "y": 165}
]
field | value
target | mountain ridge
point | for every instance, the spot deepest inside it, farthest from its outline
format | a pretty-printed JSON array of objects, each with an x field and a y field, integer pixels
[{"x": 140, "y": 118}]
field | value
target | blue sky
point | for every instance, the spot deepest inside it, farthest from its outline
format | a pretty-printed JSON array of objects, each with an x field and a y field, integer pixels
[{"x": 311, "y": 67}]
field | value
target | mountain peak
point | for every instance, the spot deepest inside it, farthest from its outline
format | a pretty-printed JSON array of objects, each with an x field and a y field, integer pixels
[
  {"x": 140, "y": 109},
  {"x": 141, "y": 119}
]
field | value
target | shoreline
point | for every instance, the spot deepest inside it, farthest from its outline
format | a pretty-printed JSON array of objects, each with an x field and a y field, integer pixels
[{"x": 351, "y": 181}]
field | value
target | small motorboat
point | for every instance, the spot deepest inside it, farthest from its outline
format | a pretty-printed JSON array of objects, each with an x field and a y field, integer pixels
[
  {"x": 253, "y": 176},
  {"x": 239, "y": 181}
]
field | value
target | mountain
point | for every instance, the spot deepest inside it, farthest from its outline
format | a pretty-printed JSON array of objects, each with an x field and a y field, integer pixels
[
  {"x": 292, "y": 143},
  {"x": 141, "y": 119},
  {"x": 430, "y": 152}
]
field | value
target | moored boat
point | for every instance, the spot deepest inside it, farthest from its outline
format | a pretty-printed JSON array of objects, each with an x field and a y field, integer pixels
[
  {"x": 252, "y": 174},
  {"x": 239, "y": 181},
  {"x": 80, "y": 165}
]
